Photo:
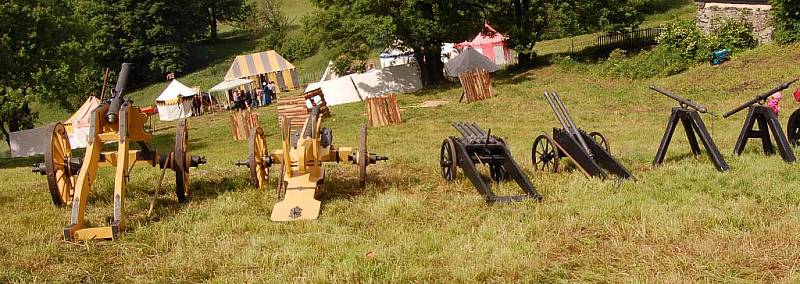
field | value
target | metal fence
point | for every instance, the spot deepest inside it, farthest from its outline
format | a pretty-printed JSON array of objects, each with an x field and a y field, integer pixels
[{"x": 629, "y": 39}]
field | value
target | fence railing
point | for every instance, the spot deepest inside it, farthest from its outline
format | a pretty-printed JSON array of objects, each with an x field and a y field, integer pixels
[{"x": 633, "y": 38}]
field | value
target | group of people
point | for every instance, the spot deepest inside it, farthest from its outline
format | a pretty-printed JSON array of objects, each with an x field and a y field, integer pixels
[{"x": 253, "y": 99}]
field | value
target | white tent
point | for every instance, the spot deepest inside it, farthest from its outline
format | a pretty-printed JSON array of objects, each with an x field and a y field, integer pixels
[
  {"x": 230, "y": 84},
  {"x": 29, "y": 142},
  {"x": 357, "y": 87},
  {"x": 175, "y": 102},
  {"x": 78, "y": 124},
  {"x": 395, "y": 79},
  {"x": 338, "y": 91}
]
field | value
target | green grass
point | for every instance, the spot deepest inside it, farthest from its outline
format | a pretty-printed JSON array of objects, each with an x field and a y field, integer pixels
[{"x": 682, "y": 222}]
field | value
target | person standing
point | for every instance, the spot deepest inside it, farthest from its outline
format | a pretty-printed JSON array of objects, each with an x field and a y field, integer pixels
[
  {"x": 272, "y": 90},
  {"x": 259, "y": 99},
  {"x": 267, "y": 94}
]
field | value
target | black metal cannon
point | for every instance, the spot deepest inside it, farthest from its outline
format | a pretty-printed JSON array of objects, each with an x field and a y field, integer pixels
[
  {"x": 590, "y": 152},
  {"x": 688, "y": 114},
  {"x": 767, "y": 123},
  {"x": 479, "y": 147}
]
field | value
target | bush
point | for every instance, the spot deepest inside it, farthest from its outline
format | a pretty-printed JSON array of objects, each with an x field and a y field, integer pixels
[
  {"x": 733, "y": 33},
  {"x": 686, "y": 39},
  {"x": 786, "y": 19},
  {"x": 299, "y": 47},
  {"x": 681, "y": 45}
]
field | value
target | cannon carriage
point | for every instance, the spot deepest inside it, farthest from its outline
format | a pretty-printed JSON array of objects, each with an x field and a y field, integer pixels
[
  {"x": 300, "y": 162},
  {"x": 590, "y": 152},
  {"x": 478, "y": 147},
  {"x": 70, "y": 178}
]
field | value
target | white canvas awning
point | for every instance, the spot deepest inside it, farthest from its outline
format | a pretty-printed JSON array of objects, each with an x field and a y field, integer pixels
[{"x": 230, "y": 84}]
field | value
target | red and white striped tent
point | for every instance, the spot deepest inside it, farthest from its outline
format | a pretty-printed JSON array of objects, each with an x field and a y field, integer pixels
[{"x": 491, "y": 44}]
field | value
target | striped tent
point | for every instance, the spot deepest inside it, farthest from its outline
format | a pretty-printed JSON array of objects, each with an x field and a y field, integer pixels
[{"x": 269, "y": 64}]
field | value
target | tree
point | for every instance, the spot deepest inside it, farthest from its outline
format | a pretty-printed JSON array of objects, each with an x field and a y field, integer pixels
[
  {"x": 356, "y": 27},
  {"x": 222, "y": 10},
  {"x": 786, "y": 17},
  {"x": 40, "y": 50},
  {"x": 268, "y": 21},
  {"x": 153, "y": 35}
]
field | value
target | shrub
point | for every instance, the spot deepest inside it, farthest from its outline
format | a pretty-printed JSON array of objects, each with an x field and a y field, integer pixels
[
  {"x": 733, "y": 33},
  {"x": 786, "y": 19},
  {"x": 686, "y": 39},
  {"x": 299, "y": 47}
]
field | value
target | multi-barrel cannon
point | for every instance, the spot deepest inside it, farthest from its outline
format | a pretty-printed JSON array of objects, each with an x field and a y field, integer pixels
[
  {"x": 768, "y": 123},
  {"x": 589, "y": 152},
  {"x": 688, "y": 113},
  {"x": 70, "y": 179},
  {"x": 475, "y": 147},
  {"x": 300, "y": 159}
]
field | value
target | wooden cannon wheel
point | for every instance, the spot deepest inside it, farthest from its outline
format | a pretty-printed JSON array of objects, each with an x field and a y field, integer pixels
[
  {"x": 363, "y": 156},
  {"x": 258, "y": 154},
  {"x": 793, "y": 128},
  {"x": 600, "y": 140},
  {"x": 181, "y": 162},
  {"x": 280, "y": 189},
  {"x": 544, "y": 154},
  {"x": 57, "y": 159},
  {"x": 448, "y": 159}
]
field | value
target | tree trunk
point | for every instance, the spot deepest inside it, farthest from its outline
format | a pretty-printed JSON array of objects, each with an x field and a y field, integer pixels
[
  {"x": 5, "y": 134},
  {"x": 430, "y": 64},
  {"x": 212, "y": 22},
  {"x": 525, "y": 59}
]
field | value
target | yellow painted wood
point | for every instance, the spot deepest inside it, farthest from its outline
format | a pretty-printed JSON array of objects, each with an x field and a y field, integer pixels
[
  {"x": 97, "y": 233},
  {"x": 300, "y": 195}
]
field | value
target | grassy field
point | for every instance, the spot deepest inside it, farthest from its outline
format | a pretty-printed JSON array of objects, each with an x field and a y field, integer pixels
[{"x": 682, "y": 222}]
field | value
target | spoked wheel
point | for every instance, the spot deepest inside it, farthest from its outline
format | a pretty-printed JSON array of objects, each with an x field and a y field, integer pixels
[
  {"x": 497, "y": 172},
  {"x": 363, "y": 156},
  {"x": 280, "y": 190},
  {"x": 57, "y": 158},
  {"x": 258, "y": 159},
  {"x": 182, "y": 161},
  {"x": 448, "y": 159},
  {"x": 600, "y": 140},
  {"x": 287, "y": 162},
  {"x": 544, "y": 154},
  {"x": 793, "y": 128}
]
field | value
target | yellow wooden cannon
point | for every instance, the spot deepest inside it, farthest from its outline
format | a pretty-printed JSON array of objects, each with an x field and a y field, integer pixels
[
  {"x": 118, "y": 121},
  {"x": 300, "y": 161}
]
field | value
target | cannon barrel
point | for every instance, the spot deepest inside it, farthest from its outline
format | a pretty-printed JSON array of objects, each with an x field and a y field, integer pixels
[
  {"x": 684, "y": 101},
  {"x": 556, "y": 110},
  {"x": 118, "y": 94},
  {"x": 759, "y": 98},
  {"x": 311, "y": 125}
]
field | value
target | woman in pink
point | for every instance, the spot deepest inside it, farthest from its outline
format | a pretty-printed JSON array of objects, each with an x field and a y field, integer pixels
[{"x": 774, "y": 102}]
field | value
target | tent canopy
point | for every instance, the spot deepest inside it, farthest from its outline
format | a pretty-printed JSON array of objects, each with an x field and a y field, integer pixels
[
  {"x": 175, "y": 92},
  {"x": 81, "y": 117},
  {"x": 256, "y": 64},
  {"x": 230, "y": 84},
  {"x": 469, "y": 59},
  {"x": 488, "y": 37}
]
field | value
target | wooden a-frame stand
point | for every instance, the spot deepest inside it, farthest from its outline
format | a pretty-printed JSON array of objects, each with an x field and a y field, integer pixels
[
  {"x": 767, "y": 122},
  {"x": 694, "y": 127}
]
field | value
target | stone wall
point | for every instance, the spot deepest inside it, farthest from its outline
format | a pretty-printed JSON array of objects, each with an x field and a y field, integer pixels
[{"x": 758, "y": 15}]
